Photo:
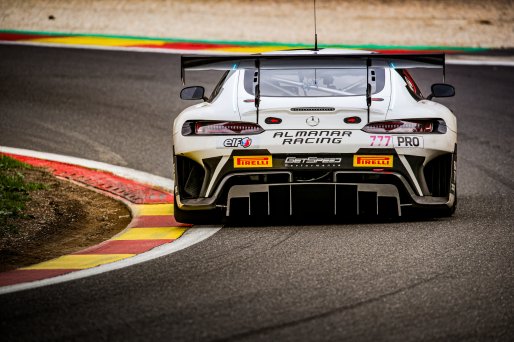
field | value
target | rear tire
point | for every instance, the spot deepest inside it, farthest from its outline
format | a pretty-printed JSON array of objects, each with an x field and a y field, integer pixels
[
  {"x": 447, "y": 212},
  {"x": 453, "y": 184}
]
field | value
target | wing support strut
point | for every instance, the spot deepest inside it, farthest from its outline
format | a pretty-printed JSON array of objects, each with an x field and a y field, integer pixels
[
  {"x": 444, "y": 68},
  {"x": 258, "y": 89},
  {"x": 368, "y": 86}
]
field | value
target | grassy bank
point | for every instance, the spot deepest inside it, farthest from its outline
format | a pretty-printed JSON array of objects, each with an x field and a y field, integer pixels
[{"x": 14, "y": 193}]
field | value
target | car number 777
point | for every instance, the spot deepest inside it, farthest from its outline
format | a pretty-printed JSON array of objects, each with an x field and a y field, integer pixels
[
  {"x": 396, "y": 141},
  {"x": 380, "y": 140}
]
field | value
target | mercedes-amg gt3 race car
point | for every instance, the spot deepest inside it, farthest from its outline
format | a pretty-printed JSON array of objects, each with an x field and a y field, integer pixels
[{"x": 319, "y": 133}]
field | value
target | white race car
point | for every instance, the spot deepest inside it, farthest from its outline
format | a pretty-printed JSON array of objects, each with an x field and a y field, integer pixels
[{"x": 318, "y": 133}]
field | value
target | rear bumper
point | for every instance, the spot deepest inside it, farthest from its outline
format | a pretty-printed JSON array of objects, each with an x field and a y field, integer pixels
[
  {"x": 327, "y": 198},
  {"x": 335, "y": 180}
]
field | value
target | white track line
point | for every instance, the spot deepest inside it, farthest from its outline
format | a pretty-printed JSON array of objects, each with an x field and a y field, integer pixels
[
  {"x": 190, "y": 237},
  {"x": 450, "y": 59}
]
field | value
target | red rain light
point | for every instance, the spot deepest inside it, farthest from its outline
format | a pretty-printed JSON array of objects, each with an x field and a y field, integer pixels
[
  {"x": 352, "y": 120},
  {"x": 272, "y": 121}
]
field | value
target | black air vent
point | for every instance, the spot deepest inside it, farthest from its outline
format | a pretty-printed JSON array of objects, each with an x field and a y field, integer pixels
[
  {"x": 192, "y": 176},
  {"x": 438, "y": 174},
  {"x": 313, "y": 109}
]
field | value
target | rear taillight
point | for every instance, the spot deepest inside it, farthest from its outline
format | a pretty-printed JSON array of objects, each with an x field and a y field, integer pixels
[
  {"x": 220, "y": 128},
  {"x": 406, "y": 126}
]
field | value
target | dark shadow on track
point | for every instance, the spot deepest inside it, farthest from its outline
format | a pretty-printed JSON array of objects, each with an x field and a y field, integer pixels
[{"x": 313, "y": 221}]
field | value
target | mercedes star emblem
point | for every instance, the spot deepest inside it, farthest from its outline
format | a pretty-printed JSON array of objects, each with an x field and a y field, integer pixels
[{"x": 312, "y": 121}]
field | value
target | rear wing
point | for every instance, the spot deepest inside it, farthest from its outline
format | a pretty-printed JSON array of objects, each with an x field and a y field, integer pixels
[
  {"x": 310, "y": 61},
  {"x": 300, "y": 61}
]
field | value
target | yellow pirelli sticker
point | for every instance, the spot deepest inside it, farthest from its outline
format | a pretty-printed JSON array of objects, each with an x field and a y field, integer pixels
[
  {"x": 372, "y": 161},
  {"x": 253, "y": 161}
]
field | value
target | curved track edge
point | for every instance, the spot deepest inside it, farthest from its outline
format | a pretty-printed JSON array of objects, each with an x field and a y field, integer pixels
[{"x": 152, "y": 233}]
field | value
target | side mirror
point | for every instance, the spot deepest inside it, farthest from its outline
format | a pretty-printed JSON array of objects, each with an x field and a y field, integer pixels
[
  {"x": 441, "y": 90},
  {"x": 193, "y": 93}
]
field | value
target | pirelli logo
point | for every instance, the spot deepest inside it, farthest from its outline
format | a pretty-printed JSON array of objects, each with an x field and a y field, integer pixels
[
  {"x": 253, "y": 161},
  {"x": 372, "y": 161}
]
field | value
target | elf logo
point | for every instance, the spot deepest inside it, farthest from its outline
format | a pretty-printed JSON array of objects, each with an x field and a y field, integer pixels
[{"x": 238, "y": 142}]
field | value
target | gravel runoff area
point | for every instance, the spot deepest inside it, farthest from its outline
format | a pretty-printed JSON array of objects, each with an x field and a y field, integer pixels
[
  {"x": 473, "y": 23},
  {"x": 60, "y": 219}
]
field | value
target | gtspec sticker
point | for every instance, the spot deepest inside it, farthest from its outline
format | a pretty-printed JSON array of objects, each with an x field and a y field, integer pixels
[
  {"x": 236, "y": 142},
  {"x": 311, "y": 137},
  {"x": 372, "y": 161},
  {"x": 312, "y": 162},
  {"x": 395, "y": 141},
  {"x": 253, "y": 161}
]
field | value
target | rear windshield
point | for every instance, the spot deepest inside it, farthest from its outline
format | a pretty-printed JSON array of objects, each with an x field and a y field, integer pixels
[{"x": 314, "y": 82}]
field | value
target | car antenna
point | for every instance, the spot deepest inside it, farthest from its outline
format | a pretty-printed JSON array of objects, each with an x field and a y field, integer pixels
[
  {"x": 368, "y": 86},
  {"x": 258, "y": 88},
  {"x": 315, "y": 29}
]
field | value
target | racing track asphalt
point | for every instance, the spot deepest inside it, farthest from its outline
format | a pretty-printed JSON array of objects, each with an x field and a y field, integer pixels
[{"x": 447, "y": 279}]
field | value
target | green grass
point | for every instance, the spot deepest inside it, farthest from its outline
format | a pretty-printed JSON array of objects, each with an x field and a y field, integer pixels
[{"x": 14, "y": 192}]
